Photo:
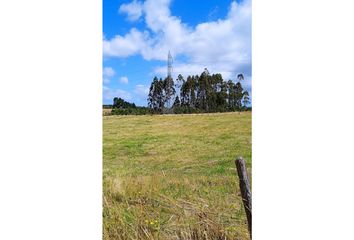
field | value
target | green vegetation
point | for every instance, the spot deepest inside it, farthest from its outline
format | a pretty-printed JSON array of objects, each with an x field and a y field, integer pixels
[
  {"x": 204, "y": 93},
  {"x": 198, "y": 94},
  {"x": 173, "y": 176},
  {"x": 122, "y": 107},
  {"x": 130, "y": 111}
]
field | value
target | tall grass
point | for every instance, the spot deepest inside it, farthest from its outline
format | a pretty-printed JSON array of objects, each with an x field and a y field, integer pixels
[{"x": 173, "y": 176}]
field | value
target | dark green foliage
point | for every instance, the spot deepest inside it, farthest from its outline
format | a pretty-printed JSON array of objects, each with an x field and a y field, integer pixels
[
  {"x": 230, "y": 86},
  {"x": 131, "y": 111},
  {"x": 204, "y": 93},
  {"x": 157, "y": 98},
  {"x": 169, "y": 90},
  {"x": 120, "y": 103},
  {"x": 197, "y": 94},
  {"x": 240, "y": 77},
  {"x": 238, "y": 96},
  {"x": 121, "y": 107},
  {"x": 177, "y": 103},
  {"x": 107, "y": 106}
]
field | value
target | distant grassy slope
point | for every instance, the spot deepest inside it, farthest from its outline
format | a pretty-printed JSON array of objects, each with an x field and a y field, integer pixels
[
  {"x": 106, "y": 111},
  {"x": 173, "y": 176}
]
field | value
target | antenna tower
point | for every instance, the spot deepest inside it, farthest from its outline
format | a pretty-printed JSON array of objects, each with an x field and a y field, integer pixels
[
  {"x": 169, "y": 65},
  {"x": 169, "y": 78}
]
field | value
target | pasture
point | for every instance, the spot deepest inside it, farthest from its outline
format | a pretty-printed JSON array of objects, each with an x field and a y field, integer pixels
[{"x": 173, "y": 176}]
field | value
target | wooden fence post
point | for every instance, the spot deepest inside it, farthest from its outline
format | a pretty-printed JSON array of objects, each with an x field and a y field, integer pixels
[{"x": 245, "y": 190}]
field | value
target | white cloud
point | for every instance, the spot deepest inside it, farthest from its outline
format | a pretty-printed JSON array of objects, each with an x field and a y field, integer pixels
[
  {"x": 221, "y": 46},
  {"x": 141, "y": 91},
  {"x": 109, "y": 94},
  {"x": 228, "y": 71},
  {"x": 108, "y": 72},
  {"x": 134, "y": 10},
  {"x": 124, "y": 80},
  {"x": 124, "y": 46}
]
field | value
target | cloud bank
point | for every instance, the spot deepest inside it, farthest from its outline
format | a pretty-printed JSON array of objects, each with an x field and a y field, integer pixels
[{"x": 223, "y": 45}]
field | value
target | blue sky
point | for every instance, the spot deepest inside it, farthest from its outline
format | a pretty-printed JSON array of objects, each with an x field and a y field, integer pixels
[{"x": 137, "y": 36}]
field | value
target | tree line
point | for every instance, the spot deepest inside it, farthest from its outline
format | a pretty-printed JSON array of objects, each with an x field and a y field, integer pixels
[
  {"x": 122, "y": 107},
  {"x": 197, "y": 94}
]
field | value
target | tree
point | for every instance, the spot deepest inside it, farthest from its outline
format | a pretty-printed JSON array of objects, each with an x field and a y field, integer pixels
[
  {"x": 177, "y": 103},
  {"x": 120, "y": 103},
  {"x": 156, "y": 98},
  {"x": 221, "y": 97},
  {"x": 184, "y": 92},
  {"x": 169, "y": 90},
  {"x": 231, "y": 94},
  {"x": 204, "y": 93},
  {"x": 238, "y": 95},
  {"x": 179, "y": 81},
  {"x": 159, "y": 92},
  {"x": 192, "y": 89},
  {"x": 115, "y": 102},
  {"x": 152, "y": 100},
  {"x": 240, "y": 77},
  {"x": 246, "y": 99}
]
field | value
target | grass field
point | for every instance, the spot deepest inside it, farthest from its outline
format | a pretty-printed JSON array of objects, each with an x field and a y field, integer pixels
[
  {"x": 106, "y": 111},
  {"x": 173, "y": 176}
]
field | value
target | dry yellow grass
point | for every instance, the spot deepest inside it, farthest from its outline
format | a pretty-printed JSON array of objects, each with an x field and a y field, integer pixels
[
  {"x": 173, "y": 176},
  {"x": 106, "y": 111}
]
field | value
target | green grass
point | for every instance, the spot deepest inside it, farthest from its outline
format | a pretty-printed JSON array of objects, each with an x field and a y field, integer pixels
[{"x": 173, "y": 176}]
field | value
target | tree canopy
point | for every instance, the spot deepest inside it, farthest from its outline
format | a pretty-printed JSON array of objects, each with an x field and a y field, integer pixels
[{"x": 198, "y": 93}]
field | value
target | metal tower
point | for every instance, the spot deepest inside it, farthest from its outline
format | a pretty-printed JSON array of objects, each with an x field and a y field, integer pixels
[
  {"x": 169, "y": 65},
  {"x": 169, "y": 78}
]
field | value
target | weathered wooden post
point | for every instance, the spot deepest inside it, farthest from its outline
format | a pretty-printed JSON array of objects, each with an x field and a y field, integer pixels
[{"x": 245, "y": 190}]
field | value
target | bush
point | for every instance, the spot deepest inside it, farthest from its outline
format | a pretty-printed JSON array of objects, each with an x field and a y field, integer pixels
[{"x": 131, "y": 111}]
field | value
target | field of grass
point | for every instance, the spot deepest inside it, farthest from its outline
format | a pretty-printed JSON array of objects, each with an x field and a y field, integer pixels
[
  {"x": 173, "y": 176},
  {"x": 106, "y": 111}
]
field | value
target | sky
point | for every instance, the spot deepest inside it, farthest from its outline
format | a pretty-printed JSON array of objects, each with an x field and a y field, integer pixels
[{"x": 137, "y": 35}]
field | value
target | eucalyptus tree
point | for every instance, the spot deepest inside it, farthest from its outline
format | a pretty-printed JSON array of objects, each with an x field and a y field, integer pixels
[
  {"x": 238, "y": 95},
  {"x": 176, "y": 103},
  {"x": 246, "y": 99},
  {"x": 240, "y": 77}
]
